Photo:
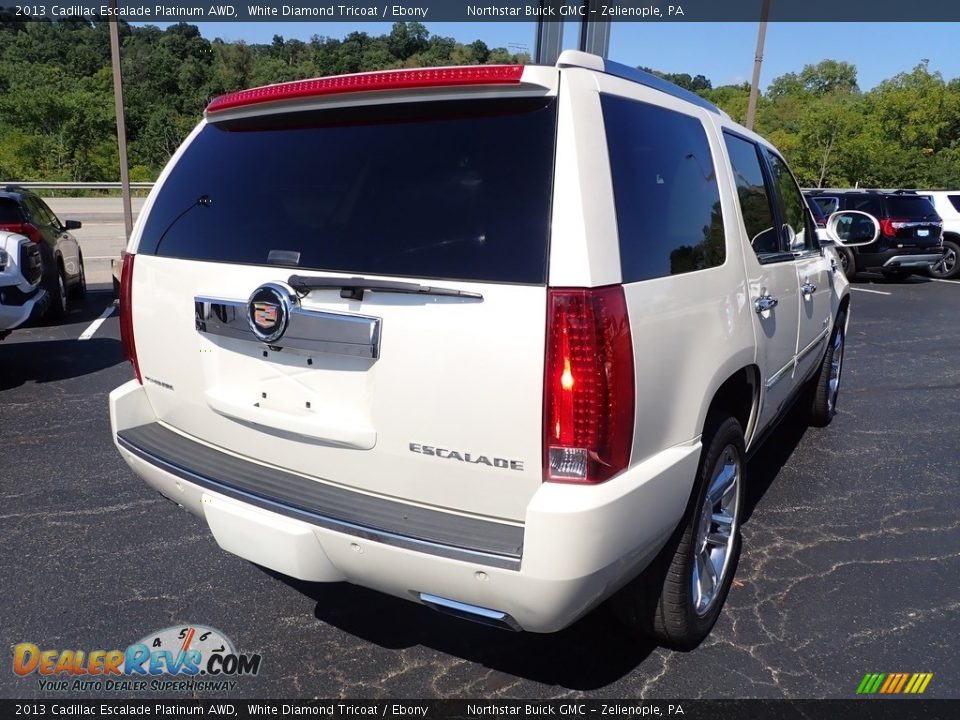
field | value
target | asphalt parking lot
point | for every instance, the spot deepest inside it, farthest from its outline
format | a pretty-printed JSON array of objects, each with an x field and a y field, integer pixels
[{"x": 851, "y": 559}]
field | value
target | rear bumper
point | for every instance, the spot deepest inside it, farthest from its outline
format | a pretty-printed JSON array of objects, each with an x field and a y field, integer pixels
[
  {"x": 896, "y": 258},
  {"x": 913, "y": 261},
  {"x": 17, "y": 307},
  {"x": 576, "y": 546}
]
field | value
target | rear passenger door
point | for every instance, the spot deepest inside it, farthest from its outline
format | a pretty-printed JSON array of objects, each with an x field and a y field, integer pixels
[
  {"x": 814, "y": 273},
  {"x": 771, "y": 274}
]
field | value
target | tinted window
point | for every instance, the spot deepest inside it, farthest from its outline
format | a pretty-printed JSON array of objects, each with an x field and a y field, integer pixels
[
  {"x": 796, "y": 230},
  {"x": 955, "y": 201},
  {"x": 817, "y": 212},
  {"x": 910, "y": 206},
  {"x": 865, "y": 203},
  {"x": 828, "y": 205},
  {"x": 9, "y": 211},
  {"x": 450, "y": 190},
  {"x": 665, "y": 190},
  {"x": 754, "y": 199}
]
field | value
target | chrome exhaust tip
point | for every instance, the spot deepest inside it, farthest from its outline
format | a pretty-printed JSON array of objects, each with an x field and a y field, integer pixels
[{"x": 474, "y": 613}]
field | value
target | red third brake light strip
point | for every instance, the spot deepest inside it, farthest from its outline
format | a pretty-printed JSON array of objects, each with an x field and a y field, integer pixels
[{"x": 365, "y": 82}]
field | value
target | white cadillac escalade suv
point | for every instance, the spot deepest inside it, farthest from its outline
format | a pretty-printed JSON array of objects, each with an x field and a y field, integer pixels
[{"x": 494, "y": 339}]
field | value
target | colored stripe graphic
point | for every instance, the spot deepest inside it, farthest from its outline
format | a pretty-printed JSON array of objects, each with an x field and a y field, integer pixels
[
  {"x": 903, "y": 681},
  {"x": 894, "y": 683}
]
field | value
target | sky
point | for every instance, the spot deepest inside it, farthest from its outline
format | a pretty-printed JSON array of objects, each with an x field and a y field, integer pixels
[{"x": 723, "y": 52}]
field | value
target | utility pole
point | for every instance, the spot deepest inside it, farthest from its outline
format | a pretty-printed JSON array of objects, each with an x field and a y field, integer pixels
[
  {"x": 757, "y": 62},
  {"x": 121, "y": 122}
]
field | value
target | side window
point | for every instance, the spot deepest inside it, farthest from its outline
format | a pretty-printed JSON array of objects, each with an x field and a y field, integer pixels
[
  {"x": 828, "y": 205},
  {"x": 665, "y": 190},
  {"x": 48, "y": 214},
  {"x": 37, "y": 211},
  {"x": 754, "y": 198},
  {"x": 796, "y": 232},
  {"x": 955, "y": 201}
]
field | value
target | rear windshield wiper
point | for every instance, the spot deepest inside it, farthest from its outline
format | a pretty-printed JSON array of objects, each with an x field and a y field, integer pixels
[{"x": 352, "y": 288}]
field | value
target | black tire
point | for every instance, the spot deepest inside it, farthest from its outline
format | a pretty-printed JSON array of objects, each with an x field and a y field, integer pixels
[
  {"x": 949, "y": 266},
  {"x": 79, "y": 290},
  {"x": 58, "y": 297},
  {"x": 824, "y": 391},
  {"x": 848, "y": 262},
  {"x": 662, "y": 603}
]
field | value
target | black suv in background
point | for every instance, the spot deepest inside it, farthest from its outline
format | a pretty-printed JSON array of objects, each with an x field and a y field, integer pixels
[
  {"x": 910, "y": 230},
  {"x": 24, "y": 212}
]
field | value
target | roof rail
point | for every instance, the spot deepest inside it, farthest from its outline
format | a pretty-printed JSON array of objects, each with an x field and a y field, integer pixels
[
  {"x": 576, "y": 58},
  {"x": 862, "y": 191}
]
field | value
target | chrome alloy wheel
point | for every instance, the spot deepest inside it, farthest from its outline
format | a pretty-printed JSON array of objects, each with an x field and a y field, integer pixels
[
  {"x": 836, "y": 365},
  {"x": 945, "y": 265},
  {"x": 717, "y": 528}
]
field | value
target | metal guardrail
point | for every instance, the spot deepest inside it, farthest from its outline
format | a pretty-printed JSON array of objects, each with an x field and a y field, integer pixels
[{"x": 77, "y": 185}]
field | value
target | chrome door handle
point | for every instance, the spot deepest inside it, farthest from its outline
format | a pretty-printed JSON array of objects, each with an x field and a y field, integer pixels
[
  {"x": 808, "y": 288},
  {"x": 764, "y": 303}
]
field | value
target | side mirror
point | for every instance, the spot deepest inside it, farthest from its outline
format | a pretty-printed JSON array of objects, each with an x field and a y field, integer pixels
[
  {"x": 852, "y": 228},
  {"x": 72, "y": 224}
]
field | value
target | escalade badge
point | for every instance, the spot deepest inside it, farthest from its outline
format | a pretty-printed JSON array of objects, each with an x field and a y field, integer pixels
[{"x": 268, "y": 311}]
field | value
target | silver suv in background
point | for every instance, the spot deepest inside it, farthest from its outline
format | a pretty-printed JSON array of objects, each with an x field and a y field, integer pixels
[
  {"x": 947, "y": 205},
  {"x": 494, "y": 339}
]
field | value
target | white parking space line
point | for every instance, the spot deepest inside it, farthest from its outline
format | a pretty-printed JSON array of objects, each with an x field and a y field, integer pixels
[
  {"x": 95, "y": 325},
  {"x": 875, "y": 292},
  {"x": 955, "y": 282}
]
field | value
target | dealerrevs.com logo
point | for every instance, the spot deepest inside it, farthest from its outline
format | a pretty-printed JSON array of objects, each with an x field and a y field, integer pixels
[{"x": 180, "y": 658}]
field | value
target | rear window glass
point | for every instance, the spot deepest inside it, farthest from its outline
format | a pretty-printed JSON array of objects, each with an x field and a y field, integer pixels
[
  {"x": 446, "y": 190},
  {"x": 665, "y": 190},
  {"x": 9, "y": 211},
  {"x": 909, "y": 206}
]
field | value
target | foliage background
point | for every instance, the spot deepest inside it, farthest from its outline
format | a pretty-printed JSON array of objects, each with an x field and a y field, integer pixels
[{"x": 57, "y": 118}]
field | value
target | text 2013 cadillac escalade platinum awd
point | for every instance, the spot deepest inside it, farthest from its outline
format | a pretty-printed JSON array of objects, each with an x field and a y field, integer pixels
[{"x": 493, "y": 339}]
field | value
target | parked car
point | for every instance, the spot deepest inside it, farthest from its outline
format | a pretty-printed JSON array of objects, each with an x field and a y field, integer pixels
[
  {"x": 910, "y": 230},
  {"x": 24, "y": 212},
  {"x": 501, "y": 345},
  {"x": 21, "y": 269},
  {"x": 947, "y": 205}
]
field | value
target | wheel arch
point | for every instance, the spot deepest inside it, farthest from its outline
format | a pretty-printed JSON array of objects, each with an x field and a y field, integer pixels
[{"x": 738, "y": 395}]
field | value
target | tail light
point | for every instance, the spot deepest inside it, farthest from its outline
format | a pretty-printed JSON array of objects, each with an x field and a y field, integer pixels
[
  {"x": 28, "y": 229},
  {"x": 889, "y": 226},
  {"x": 126, "y": 314},
  {"x": 588, "y": 385}
]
